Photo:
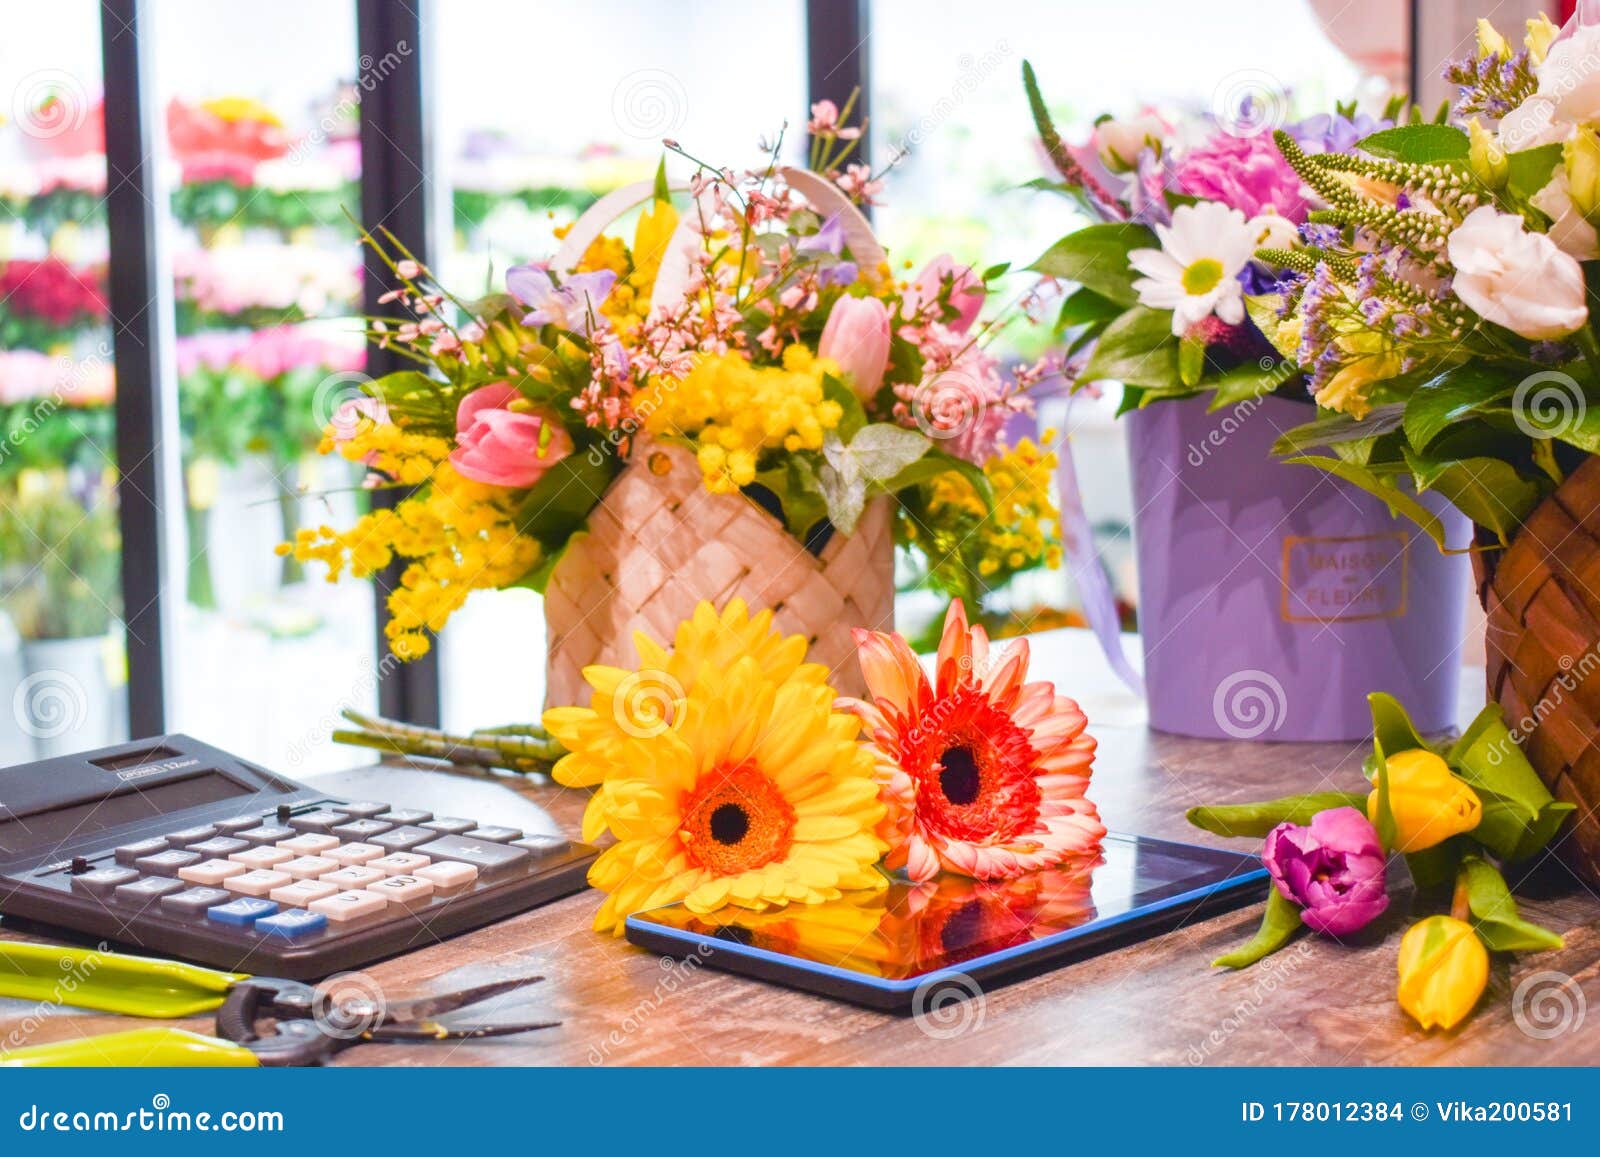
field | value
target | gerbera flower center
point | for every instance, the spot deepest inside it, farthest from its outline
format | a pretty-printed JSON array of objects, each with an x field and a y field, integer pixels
[
  {"x": 1202, "y": 276},
  {"x": 735, "y": 821},
  {"x": 959, "y": 780}
]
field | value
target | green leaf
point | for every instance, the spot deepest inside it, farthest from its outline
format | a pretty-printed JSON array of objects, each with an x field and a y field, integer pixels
[
  {"x": 1251, "y": 380},
  {"x": 1398, "y": 501},
  {"x": 996, "y": 270},
  {"x": 1137, "y": 349},
  {"x": 905, "y": 362},
  {"x": 1257, "y": 819},
  {"x": 1332, "y": 429},
  {"x": 1494, "y": 912},
  {"x": 663, "y": 191},
  {"x": 1435, "y": 866},
  {"x": 882, "y": 450},
  {"x": 1487, "y": 490},
  {"x": 799, "y": 493},
  {"x": 1392, "y": 726},
  {"x": 1191, "y": 359},
  {"x": 1086, "y": 307},
  {"x": 1454, "y": 394},
  {"x": 1487, "y": 756},
  {"x": 1529, "y": 171},
  {"x": 936, "y": 462},
  {"x": 1423, "y": 144},
  {"x": 854, "y": 415},
  {"x": 1279, "y": 922},
  {"x": 560, "y": 502},
  {"x": 1096, "y": 257}
]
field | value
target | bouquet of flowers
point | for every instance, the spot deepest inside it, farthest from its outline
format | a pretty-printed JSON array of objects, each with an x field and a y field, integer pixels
[
  {"x": 757, "y": 350},
  {"x": 1440, "y": 306},
  {"x": 47, "y": 301},
  {"x": 1454, "y": 811},
  {"x": 1164, "y": 276}
]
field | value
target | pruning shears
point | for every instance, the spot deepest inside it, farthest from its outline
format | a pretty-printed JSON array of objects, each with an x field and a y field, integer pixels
[{"x": 260, "y": 1020}]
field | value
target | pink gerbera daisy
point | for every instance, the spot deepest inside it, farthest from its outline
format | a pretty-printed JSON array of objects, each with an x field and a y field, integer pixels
[{"x": 983, "y": 773}]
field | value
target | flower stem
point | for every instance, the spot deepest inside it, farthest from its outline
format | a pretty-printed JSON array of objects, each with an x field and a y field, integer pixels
[{"x": 515, "y": 747}]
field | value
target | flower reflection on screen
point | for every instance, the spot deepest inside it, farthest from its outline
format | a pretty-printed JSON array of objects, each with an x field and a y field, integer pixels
[{"x": 912, "y": 929}]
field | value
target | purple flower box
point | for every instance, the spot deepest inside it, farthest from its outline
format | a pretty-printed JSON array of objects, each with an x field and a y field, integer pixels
[{"x": 1273, "y": 598}]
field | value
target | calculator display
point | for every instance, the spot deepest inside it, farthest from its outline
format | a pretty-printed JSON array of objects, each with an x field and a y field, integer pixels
[{"x": 132, "y": 802}]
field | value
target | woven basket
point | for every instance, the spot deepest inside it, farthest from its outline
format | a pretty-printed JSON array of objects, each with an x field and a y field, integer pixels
[
  {"x": 659, "y": 542},
  {"x": 1542, "y": 599}
]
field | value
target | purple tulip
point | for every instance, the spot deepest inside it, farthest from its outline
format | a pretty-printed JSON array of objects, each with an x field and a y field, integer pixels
[{"x": 1333, "y": 869}]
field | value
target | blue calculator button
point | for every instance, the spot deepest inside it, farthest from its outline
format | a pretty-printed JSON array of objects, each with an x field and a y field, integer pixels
[
  {"x": 292, "y": 925},
  {"x": 242, "y": 913}
]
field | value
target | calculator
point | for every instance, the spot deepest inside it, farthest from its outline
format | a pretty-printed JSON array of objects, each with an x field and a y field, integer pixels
[{"x": 181, "y": 849}]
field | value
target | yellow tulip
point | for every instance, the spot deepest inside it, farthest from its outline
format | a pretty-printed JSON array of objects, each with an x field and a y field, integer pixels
[
  {"x": 1540, "y": 36},
  {"x": 1443, "y": 970},
  {"x": 1487, "y": 159},
  {"x": 1582, "y": 157},
  {"x": 1428, "y": 803}
]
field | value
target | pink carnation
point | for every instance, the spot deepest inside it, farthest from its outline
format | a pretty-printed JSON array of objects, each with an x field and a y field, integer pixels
[{"x": 1244, "y": 173}]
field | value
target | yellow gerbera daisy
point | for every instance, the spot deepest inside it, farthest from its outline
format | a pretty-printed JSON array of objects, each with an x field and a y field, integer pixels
[{"x": 723, "y": 772}]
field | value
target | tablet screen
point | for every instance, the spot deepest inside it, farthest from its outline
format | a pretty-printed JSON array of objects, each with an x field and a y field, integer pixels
[{"x": 909, "y": 930}]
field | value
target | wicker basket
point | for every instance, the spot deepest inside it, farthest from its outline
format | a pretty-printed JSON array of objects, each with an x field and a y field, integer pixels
[
  {"x": 1542, "y": 599},
  {"x": 659, "y": 542}
]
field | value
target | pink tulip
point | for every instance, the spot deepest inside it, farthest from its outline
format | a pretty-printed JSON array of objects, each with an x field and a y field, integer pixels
[
  {"x": 501, "y": 446},
  {"x": 856, "y": 338},
  {"x": 966, "y": 290}
]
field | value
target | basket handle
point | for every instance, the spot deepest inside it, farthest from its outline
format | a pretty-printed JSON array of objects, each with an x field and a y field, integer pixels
[{"x": 677, "y": 264}]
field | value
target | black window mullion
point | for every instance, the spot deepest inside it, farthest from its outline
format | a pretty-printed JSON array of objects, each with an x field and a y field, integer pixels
[
  {"x": 146, "y": 430},
  {"x": 838, "y": 58},
  {"x": 395, "y": 188}
]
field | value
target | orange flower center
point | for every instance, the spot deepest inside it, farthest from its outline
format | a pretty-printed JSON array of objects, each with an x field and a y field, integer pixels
[
  {"x": 974, "y": 768},
  {"x": 735, "y": 821}
]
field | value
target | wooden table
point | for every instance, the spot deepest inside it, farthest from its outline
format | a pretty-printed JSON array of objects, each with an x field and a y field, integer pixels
[{"x": 1157, "y": 1002}]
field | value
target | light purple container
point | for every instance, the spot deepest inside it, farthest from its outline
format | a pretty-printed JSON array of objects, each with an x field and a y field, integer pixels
[{"x": 1273, "y": 598}]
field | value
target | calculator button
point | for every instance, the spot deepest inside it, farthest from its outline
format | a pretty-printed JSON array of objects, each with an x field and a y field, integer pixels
[
  {"x": 309, "y": 844},
  {"x": 219, "y": 848},
  {"x": 351, "y": 855},
  {"x": 352, "y": 878},
  {"x": 308, "y": 867},
  {"x": 403, "y": 839},
  {"x": 302, "y": 893},
  {"x": 541, "y": 845},
  {"x": 267, "y": 834},
  {"x": 450, "y": 826},
  {"x": 317, "y": 821},
  {"x": 262, "y": 857},
  {"x": 238, "y": 824},
  {"x": 361, "y": 829},
  {"x": 404, "y": 890},
  {"x": 485, "y": 855},
  {"x": 212, "y": 872},
  {"x": 194, "y": 902},
  {"x": 292, "y": 925},
  {"x": 257, "y": 883},
  {"x": 401, "y": 816},
  {"x": 104, "y": 880},
  {"x": 241, "y": 913},
  {"x": 167, "y": 863},
  {"x": 448, "y": 876},
  {"x": 495, "y": 834},
  {"x": 349, "y": 906},
  {"x": 399, "y": 863},
  {"x": 191, "y": 835},
  {"x": 128, "y": 853},
  {"x": 360, "y": 810},
  {"x": 141, "y": 893}
]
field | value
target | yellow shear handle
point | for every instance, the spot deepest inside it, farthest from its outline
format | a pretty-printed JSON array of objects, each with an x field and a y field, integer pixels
[
  {"x": 110, "y": 982},
  {"x": 145, "y": 1047}
]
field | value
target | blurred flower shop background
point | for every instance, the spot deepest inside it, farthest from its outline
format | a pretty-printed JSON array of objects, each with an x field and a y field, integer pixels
[{"x": 259, "y": 186}]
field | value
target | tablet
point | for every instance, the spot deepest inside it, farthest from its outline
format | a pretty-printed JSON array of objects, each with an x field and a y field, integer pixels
[{"x": 906, "y": 946}]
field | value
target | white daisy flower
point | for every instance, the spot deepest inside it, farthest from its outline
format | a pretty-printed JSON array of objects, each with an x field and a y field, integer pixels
[{"x": 1195, "y": 273}]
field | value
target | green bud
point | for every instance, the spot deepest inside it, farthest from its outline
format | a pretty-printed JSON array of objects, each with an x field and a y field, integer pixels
[
  {"x": 1488, "y": 160},
  {"x": 1582, "y": 156}
]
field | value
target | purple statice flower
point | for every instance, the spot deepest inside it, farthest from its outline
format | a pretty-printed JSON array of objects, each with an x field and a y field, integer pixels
[
  {"x": 1321, "y": 236},
  {"x": 1332, "y": 133},
  {"x": 573, "y": 305}
]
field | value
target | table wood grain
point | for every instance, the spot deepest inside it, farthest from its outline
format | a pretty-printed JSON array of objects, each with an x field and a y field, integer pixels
[{"x": 1157, "y": 1002}]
